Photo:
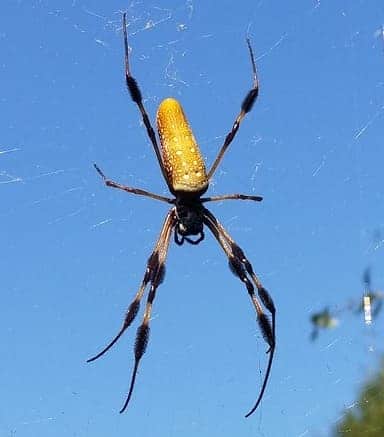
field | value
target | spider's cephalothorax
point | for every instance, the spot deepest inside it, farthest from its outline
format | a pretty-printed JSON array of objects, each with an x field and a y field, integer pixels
[
  {"x": 183, "y": 168},
  {"x": 189, "y": 221}
]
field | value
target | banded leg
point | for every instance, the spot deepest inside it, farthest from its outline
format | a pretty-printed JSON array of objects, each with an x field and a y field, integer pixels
[
  {"x": 246, "y": 107},
  {"x": 137, "y": 98},
  {"x": 142, "y": 334},
  {"x": 131, "y": 190},
  {"x": 154, "y": 275},
  {"x": 231, "y": 197},
  {"x": 242, "y": 268}
]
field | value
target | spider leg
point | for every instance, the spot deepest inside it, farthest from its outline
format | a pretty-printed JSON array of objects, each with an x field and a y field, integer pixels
[
  {"x": 198, "y": 240},
  {"x": 156, "y": 277},
  {"x": 179, "y": 239},
  {"x": 130, "y": 315},
  {"x": 131, "y": 190},
  {"x": 142, "y": 334},
  {"x": 231, "y": 197},
  {"x": 242, "y": 268},
  {"x": 154, "y": 274},
  {"x": 137, "y": 98},
  {"x": 246, "y": 106}
]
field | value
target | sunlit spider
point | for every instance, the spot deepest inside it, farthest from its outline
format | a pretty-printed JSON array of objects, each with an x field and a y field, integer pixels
[{"x": 184, "y": 171}]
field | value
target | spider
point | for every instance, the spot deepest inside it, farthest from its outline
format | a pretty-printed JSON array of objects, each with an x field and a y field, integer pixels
[{"x": 183, "y": 169}]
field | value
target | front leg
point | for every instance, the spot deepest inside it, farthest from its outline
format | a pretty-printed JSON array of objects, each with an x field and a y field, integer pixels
[{"x": 138, "y": 191}]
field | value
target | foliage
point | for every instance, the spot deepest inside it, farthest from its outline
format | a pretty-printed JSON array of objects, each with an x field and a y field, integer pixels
[{"x": 367, "y": 418}]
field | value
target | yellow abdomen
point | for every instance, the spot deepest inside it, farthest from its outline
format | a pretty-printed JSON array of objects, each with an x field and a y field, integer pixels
[{"x": 183, "y": 163}]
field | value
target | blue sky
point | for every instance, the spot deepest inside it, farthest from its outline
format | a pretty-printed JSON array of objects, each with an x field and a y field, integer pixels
[{"x": 74, "y": 252}]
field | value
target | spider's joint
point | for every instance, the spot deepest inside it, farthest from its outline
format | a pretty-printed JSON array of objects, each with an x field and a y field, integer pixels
[
  {"x": 266, "y": 330},
  {"x": 141, "y": 342},
  {"x": 249, "y": 100},
  {"x": 266, "y": 299},
  {"x": 133, "y": 88}
]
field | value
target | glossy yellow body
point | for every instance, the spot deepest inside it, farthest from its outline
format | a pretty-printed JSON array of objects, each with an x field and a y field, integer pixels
[{"x": 184, "y": 166}]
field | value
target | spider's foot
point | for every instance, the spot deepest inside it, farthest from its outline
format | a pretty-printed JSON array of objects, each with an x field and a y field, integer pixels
[{"x": 100, "y": 172}]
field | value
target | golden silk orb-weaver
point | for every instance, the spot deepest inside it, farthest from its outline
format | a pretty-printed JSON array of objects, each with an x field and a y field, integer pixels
[{"x": 183, "y": 169}]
